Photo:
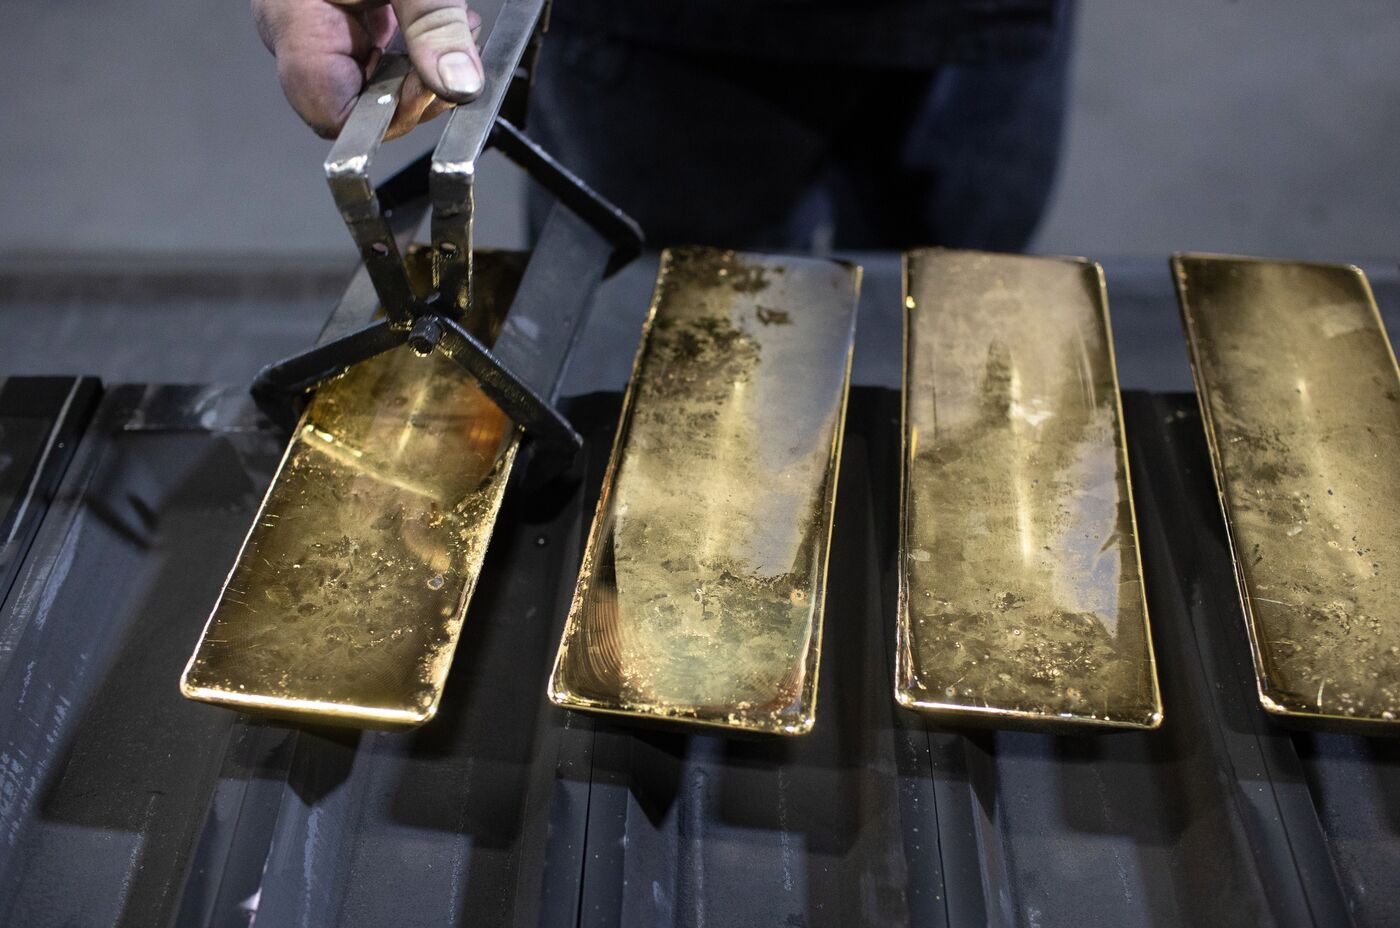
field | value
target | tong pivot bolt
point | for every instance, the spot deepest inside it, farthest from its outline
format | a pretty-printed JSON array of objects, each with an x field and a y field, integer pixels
[{"x": 425, "y": 335}]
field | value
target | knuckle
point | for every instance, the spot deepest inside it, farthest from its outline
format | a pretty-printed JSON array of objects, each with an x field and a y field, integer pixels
[
  {"x": 440, "y": 21},
  {"x": 267, "y": 23}
]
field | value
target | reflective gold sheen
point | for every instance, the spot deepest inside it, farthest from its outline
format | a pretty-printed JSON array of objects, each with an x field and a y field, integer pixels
[
  {"x": 1021, "y": 600},
  {"x": 1301, "y": 400},
  {"x": 700, "y": 596},
  {"x": 347, "y": 600}
]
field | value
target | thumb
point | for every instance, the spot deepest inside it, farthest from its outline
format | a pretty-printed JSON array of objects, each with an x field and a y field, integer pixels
[{"x": 439, "y": 38}]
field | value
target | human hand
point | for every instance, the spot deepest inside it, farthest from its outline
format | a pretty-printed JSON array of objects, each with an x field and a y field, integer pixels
[{"x": 325, "y": 49}]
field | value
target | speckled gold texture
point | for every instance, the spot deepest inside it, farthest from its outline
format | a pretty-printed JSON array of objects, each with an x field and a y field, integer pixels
[
  {"x": 347, "y": 600},
  {"x": 1301, "y": 399},
  {"x": 701, "y": 592},
  {"x": 1021, "y": 599}
]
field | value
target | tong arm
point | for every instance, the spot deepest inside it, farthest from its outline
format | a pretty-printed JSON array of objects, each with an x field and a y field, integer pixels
[
  {"x": 454, "y": 161},
  {"x": 347, "y": 171}
]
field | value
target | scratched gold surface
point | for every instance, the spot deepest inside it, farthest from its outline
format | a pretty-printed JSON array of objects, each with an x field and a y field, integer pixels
[
  {"x": 701, "y": 592},
  {"x": 347, "y": 600},
  {"x": 1301, "y": 399},
  {"x": 1021, "y": 600}
]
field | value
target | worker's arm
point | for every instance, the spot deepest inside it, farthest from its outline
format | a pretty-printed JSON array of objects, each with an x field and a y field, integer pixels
[{"x": 326, "y": 48}]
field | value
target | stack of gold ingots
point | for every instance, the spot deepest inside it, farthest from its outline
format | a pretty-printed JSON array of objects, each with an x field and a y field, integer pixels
[{"x": 699, "y": 600}]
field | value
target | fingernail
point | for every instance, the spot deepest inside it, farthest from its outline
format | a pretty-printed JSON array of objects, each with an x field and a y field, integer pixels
[{"x": 459, "y": 75}]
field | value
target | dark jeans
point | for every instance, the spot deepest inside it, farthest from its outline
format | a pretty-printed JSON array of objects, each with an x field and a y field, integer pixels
[{"x": 746, "y": 151}]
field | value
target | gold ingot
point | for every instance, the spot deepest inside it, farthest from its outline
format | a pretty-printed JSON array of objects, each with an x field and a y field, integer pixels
[
  {"x": 700, "y": 596},
  {"x": 1300, "y": 396},
  {"x": 1021, "y": 599},
  {"x": 347, "y": 599}
]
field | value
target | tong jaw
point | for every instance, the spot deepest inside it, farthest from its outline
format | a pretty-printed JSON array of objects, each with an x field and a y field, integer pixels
[{"x": 469, "y": 128}]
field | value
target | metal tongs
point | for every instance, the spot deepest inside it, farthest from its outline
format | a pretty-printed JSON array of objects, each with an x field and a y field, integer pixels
[{"x": 584, "y": 238}]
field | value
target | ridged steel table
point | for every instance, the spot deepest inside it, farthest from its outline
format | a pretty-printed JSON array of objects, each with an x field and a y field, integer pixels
[{"x": 121, "y": 803}]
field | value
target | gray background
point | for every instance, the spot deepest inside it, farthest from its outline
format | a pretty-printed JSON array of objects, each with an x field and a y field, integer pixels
[
  {"x": 1255, "y": 127},
  {"x": 165, "y": 216}
]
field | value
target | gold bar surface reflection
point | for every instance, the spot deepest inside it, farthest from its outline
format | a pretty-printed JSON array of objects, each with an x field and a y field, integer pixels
[
  {"x": 347, "y": 599},
  {"x": 700, "y": 596},
  {"x": 1300, "y": 396},
  {"x": 1021, "y": 599}
]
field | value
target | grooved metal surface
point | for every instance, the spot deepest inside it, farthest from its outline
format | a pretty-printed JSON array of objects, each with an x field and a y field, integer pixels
[{"x": 121, "y": 803}]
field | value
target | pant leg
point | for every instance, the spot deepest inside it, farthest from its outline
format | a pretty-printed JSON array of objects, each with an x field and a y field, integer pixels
[
  {"x": 738, "y": 151},
  {"x": 698, "y": 147},
  {"x": 962, "y": 156}
]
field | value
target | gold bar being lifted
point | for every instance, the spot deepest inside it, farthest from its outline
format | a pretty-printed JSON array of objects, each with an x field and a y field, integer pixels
[
  {"x": 347, "y": 600},
  {"x": 700, "y": 596},
  {"x": 1021, "y": 600},
  {"x": 1301, "y": 400}
]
